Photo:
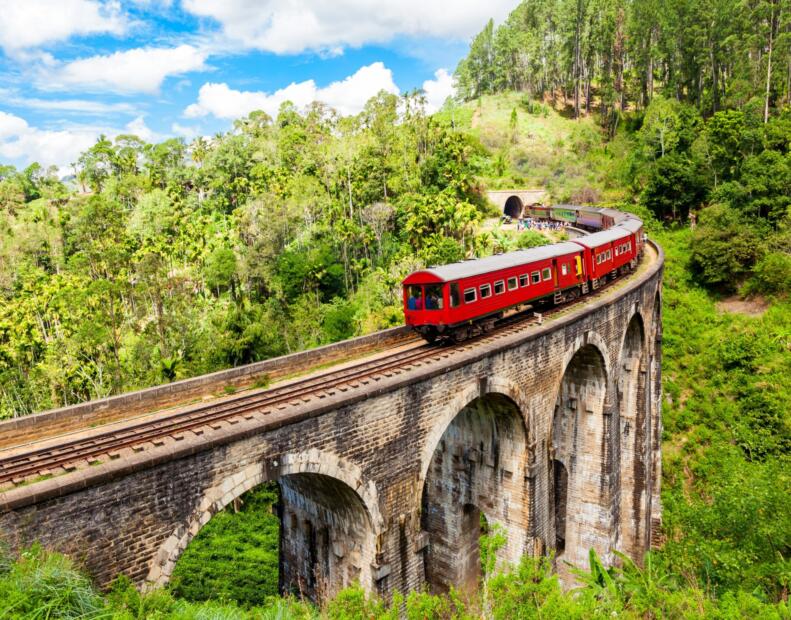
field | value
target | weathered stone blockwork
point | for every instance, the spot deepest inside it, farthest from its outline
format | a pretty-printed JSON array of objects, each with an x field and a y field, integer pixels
[{"x": 383, "y": 482}]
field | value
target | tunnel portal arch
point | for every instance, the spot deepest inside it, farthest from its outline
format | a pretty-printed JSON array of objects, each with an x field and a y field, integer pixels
[{"x": 513, "y": 207}]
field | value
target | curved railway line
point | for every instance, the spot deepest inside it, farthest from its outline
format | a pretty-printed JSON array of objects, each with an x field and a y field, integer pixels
[{"x": 91, "y": 447}]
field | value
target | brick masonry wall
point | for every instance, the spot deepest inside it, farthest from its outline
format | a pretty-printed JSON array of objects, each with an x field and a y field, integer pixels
[{"x": 353, "y": 468}]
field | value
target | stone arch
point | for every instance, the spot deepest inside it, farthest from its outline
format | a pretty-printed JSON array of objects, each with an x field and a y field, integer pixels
[
  {"x": 578, "y": 482},
  {"x": 635, "y": 434},
  {"x": 513, "y": 207},
  {"x": 478, "y": 466},
  {"x": 325, "y": 504}
]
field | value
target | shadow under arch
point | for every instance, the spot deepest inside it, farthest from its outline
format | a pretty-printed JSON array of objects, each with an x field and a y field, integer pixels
[
  {"x": 577, "y": 482},
  {"x": 477, "y": 467},
  {"x": 513, "y": 207},
  {"x": 634, "y": 437},
  {"x": 329, "y": 518}
]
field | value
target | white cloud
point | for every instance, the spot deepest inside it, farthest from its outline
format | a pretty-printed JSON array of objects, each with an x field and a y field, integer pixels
[
  {"x": 29, "y": 23},
  {"x": 298, "y": 25},
  {"x": 11, "y": 125},
  {"x": 25, "y": 144},
  {"x": 76, "y": 106},
  {"x": 135, "y": 70},
  {"x": 185, "y": 132},
  {"x": 348, "y": 96},
  {"x": 139, "y": 128},
  {"x": 438, "y": 90}
]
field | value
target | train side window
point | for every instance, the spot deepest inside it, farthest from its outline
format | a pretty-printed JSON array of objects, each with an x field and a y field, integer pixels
[
  {"x": 535, "y": 277},
  {"x": 564, "y": 269},
  {"x": 512, "y": 284},
  {"x": 547, "y": 273},
  {"x": 434, "y": 297},
  {"x": 499, "y": 287},
  {"x": 617, "y": 247},
  {"x": 609, "y": 254},
  {"x": 455, "y": 299},
  {"x": 486, "y": 290},
  {"x": 469, "y": 295},
  {"x": 524, "y": 280}
]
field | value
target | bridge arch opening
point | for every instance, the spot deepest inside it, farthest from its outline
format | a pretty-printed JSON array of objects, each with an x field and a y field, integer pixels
[
  {"x": 513, "y": 207},
  {"x": 326, "y": 539},
  {"x": 326, "y": 536},
  {"x": 476, "y": 478},
  {"x": 635, "y": 434},
  {"x": 576, "y": 457}
]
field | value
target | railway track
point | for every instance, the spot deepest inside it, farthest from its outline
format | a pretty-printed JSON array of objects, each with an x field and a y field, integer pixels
[{"x": 70, "y": 453}]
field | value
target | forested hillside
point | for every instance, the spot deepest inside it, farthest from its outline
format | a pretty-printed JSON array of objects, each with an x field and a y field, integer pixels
[
  {"x": 611, "y": 56},
  {"x": 170, "y": 260}
]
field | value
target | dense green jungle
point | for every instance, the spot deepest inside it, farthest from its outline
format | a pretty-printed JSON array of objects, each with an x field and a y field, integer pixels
[{"x": 157, "y": 262}]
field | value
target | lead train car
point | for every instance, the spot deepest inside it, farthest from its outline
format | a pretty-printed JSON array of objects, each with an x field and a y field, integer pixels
[{"x": 465, "y": 298}]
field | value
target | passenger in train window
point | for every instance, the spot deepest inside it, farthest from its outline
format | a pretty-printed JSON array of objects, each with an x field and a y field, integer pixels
[{"x": 415, "y": 301}]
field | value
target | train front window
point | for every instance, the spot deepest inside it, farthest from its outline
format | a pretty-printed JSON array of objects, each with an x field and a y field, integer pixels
[
  {"x": 414, "y": 298},
  {"x": 434, "y": 297},
  {"x": 455, "y": 298}
]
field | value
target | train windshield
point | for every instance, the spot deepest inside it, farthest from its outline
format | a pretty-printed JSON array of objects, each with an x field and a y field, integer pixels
[{"x": 428, "y": 297}]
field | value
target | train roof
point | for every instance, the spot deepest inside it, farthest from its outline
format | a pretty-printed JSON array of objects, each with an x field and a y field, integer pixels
[
  {"x": 632, "y": 224},
  {"x": 469, "y": 268},
  {"x": 600, "y": 238}
]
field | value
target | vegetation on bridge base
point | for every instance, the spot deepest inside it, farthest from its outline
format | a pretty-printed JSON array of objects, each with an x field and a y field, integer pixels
[{"x": 45, "y": 585}]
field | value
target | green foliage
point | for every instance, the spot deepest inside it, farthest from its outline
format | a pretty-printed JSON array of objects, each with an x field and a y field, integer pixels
[
  {"x": 243, "y": 544},
  {"x": 725, "y": 249}
]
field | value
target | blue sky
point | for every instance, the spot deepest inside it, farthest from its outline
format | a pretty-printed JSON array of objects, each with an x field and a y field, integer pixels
[{"x": 72, "y": 69}]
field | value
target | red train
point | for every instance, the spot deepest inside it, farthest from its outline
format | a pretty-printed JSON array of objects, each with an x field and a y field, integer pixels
[{"x": 463, "y": 299}]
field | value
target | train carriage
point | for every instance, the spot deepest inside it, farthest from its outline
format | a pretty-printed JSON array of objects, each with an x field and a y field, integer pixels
[
  {"x": 564, "y": 213},
  {"x": 537, "y": 212},
  {"x": 635, "y": 227},
  {"x": 606, "y": 252},
  {"x": 464, "y": 298},
  {"x": 590, "y": 217}
]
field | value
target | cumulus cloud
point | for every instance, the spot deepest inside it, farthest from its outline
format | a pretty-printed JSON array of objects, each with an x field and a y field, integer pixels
[
  {"x": 298, "y": 25},
  {"x": 186, "y": 132},
  {"x": 30, "y": 23},
  {"x": 139, "y": 128},
  {"x": 348, "y": 96},
  {"x": 438, "y": 90},
  {"x": 131, "y": 71},
  {"x": 25, "y": 144}
]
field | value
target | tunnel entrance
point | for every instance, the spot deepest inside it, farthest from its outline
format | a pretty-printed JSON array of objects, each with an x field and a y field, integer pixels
[
  {"x": 478, "y": 467},
  {"x": 577, "y": 460},
  {"x": 513, "y": 207}
]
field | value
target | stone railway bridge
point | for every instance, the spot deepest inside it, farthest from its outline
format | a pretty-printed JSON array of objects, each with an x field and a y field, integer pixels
[{"x": 553, "y": 432}]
